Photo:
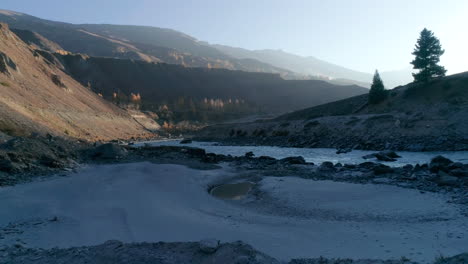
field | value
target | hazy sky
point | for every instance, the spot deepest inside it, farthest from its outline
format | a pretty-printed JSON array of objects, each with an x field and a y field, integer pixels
[{"x": 359, "y": 34}]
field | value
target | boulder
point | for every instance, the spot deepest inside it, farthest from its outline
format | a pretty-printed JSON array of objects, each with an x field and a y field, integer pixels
[
  {"x": 109, "y": 151},
  {"x": 390, "y": 153},
  {"x": 343, "y": 150},
  {"x": 249, "y": 154},
  {"x": 294, "y": 160},
  {"x": 461, "y": 173},
  {"x": 446, "y": 180},
  {"x": 382, "y": 169},
  {"x": 386, "y": 155},
  {"x": 440, "y": 163},
  {"x": 326, "y": 166},
  {"x": 209, "y": 246}
]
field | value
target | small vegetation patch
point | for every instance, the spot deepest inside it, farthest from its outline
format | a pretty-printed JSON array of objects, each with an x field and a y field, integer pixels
[{"x": 5, "y": 84}]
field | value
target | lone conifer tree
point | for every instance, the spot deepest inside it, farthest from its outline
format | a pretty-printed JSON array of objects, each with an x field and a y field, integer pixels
[
  {"x": 427, "y": 51},
  {"x": 377, "y": 91}
]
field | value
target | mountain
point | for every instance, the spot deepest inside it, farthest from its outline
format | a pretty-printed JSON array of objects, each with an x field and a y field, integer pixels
[
  {"x": 37, "y": 96},
  {"x": 153, "y": 44},
  {"x": 415, "y": 117},
  {"x": 149, "y": 44},
  {"x": 317, "y": 68}
]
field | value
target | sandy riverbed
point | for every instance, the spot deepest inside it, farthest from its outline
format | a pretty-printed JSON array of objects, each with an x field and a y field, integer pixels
[{"x": 287, "y": 218}]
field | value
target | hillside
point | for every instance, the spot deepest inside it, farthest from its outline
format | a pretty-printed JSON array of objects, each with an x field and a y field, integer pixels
[
  {"x": 414, "y": 117},
  {"x": 178, "y": 93},
  {"x": 37, "y": 96},
  {"x": 149, "y": 44}
]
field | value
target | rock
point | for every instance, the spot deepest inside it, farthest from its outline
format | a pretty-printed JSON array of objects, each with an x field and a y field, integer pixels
[
  {"x": 386, "y": 155},
  {"x": 382, "y": 169},
  {"x": 391, "y": 154},
  {"x": 455, "y": 165},
  {"x": 343, "y": 150},
  {"x": 249, "y": 154},
  {"x": 109, "y": 151},
  {"x": 186, "y": 141},
  {"x": 209, "y": 246},
  {"x": 6, "y": 165},
  {"x": 326, "y": 166},
  {"x": 446, "y": 180},
  {"x": 439, "y": 163},
  {"x": 369, "y": 156},
  {"x": 294, "y": 160},
  {"x": 461, "y": 173},
  {"x": 367, "y": 165},
  {"x": 51, "y": 162}
]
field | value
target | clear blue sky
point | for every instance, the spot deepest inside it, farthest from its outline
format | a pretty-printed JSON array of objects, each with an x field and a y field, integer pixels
[{"x": 359, "y": 34}]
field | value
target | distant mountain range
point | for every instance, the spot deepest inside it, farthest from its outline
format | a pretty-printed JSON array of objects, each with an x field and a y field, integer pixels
[{"x": 154, "y": 44}]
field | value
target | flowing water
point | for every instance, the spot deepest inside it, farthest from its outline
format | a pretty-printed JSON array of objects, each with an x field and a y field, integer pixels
[{"x": 316, "y": 155}]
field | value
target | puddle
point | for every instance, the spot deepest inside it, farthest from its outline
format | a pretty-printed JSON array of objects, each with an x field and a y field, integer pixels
[{"x": 234, "y": 191}]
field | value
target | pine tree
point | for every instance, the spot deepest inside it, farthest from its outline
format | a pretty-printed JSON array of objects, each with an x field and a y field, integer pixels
[
  {"x": 377, "y": 91},
  {"x": 427, "y": 51}
]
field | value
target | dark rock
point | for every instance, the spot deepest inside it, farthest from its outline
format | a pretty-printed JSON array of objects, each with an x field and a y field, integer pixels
[
  {"x": 343, "y": 150},
  {"x": 294, "y": 160},
  {"x": 51, "y": 162},
  {"x": 382, "y": 157},
  {"x": 326, "y": 166},
  {"x": 186, "y": 141},
  {"x": 249, "y": 154},
  {"x": 390, "y": 153},
  {"x": 7, "y": 166},
  {"x": 408, "y": 167},
  {"x": 209, "y": 246},
  {"x": 446, "y": 180},
  {"x": 439, "y": 163},
  {"x": 455, "y": 165},
  {"x": 266, "y": 158},
  {"x": 369, "y": 156},
  {"x": 109, "y": 151},
  {"x": 461, "y": 173},
  {"x": 382, "y": 169},
  {"x": 367, "y": 165}
]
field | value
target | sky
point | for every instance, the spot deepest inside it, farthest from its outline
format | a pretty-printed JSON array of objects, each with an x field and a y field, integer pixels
[{"x": 362, "y": 35}]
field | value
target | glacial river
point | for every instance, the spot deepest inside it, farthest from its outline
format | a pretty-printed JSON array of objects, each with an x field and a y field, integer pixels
[{"x": 316, "y": 155}]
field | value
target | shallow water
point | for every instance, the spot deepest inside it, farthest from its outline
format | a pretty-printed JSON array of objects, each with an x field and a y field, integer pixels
[
  {"x": 317, "y": 155},
  {"x": 234, "y": 191}
]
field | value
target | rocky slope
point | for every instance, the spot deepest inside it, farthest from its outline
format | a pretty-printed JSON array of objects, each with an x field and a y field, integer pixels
[
  {"x": 415, "y": 117},
  {"x": 37, "y": 96}
]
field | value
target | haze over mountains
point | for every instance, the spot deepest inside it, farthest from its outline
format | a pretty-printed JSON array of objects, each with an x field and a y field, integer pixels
[{"x": 154, "y": 44}]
